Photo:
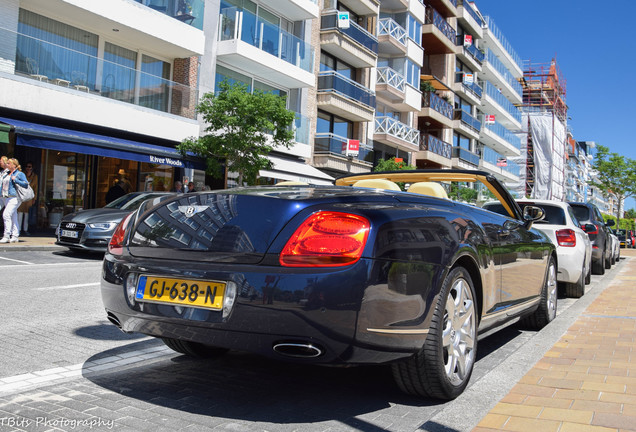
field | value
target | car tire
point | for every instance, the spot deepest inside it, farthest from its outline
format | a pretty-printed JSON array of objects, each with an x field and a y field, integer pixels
[
  {"x": 442, "y": 367},
  {"x": 193, "y": 349},
  {"x": 576, "y": 289},
  {"x": 608, "y": 260},
  {"x": 598, "y": 267},
  {"x": 588, "y": 276},
  {"x": 546, "y": 311}
]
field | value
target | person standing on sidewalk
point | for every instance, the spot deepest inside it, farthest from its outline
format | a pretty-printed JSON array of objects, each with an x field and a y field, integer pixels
[
  {"x": 4, "y": 171},
  {"x": 10, "y": 196},
  {"x": 25, "y": 207}
]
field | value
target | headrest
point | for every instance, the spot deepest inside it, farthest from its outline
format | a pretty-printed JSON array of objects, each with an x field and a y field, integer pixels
[
  {"x": 377, "y": 184},
  {"x": 429, "y": 188}
]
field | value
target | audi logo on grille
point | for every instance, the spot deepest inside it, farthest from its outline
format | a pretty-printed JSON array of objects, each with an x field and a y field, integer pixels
[{"x": 71, "y": 225}]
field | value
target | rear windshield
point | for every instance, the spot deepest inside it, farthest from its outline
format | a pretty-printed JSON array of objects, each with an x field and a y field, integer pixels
[
  {"x": 582, "y": 213},
  {"x": 553, "y": 215}
]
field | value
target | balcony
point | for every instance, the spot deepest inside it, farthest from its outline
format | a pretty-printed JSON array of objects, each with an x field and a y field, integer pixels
[
  {"x": 496, "y": 41},
  {"x": 396, "y": 134},
  {"x": 467, "y": 124},
  {"x": 436, "y": 111},
  {"x": 433, "y": 152},
  {"x": 448, "y": 8},
  {"x": 470, "y": 54},
  {"x": 495, "y": 72},
  {"x": 392, "y": 87},
  {"x": 497, "y": 164},
  {"x": 189, "y": 12},
  {"x": 355, "y": 45},
  {"x": 251, "y": 43},
  {"x": 463, "y": 158},
  {"x": 392, "y": 37},
  {"x": 500, "y": 139},
  {"x": 469, "y": 18},
  {"x": 495, "y": 102},
  {"x": 359, "y": 7},
  {"x": 470, "y": 90},
  {"x": 329, "y": 154},
  {"x": 341, "y": 96},
  {"x": 438, "y": 36}
]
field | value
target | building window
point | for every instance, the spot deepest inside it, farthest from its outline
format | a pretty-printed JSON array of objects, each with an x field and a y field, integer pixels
[
  {"x": 232, "y": 76},
  {"x": 329, "y": 123}
]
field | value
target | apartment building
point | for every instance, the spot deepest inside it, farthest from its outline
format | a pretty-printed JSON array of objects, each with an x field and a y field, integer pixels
[{"x": 93, "y": 92}]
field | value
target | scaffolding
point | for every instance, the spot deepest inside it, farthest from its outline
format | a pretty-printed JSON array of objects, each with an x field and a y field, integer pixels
[{"x": 544, "y": 125}]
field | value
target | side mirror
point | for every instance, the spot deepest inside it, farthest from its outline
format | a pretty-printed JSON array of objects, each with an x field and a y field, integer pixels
[
  {"x": 589, "y": 228},
  {"x": 610, "y": 222},
  {"x": 532, "y": 213}
]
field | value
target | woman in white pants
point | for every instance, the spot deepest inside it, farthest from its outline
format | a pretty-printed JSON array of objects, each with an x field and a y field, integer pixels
[{"x": 11, "y": 201}]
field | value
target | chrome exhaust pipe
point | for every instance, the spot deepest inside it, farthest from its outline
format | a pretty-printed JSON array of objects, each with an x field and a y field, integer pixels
[
  {"x": 298, "y": 350},
  {"x": 113, "y": 319}
]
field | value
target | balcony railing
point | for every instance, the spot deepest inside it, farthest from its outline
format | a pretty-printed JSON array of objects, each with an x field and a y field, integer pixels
[
  {"x": 490, "y": 23},
  {"x": 492, "y": 157},
  {"x": 435, "y": 145},
  {"x": 468, "y": 120},
  {"x": 503, "y": 71},
  {"x": 494, "y": 93},
  {"x": 331, "y": 81},
  {"x": 392, "y": 78},
  {"x": 468, "y": 8},
  {"x": 433, "y": 17},
  {"x": 390, "y": 126},
  {"x": 504, "y": 133},
  {"x": 187, "y": 11},
  {"x": 465, "y": 155},
  {"x": 330, "y": 21},
  {"x": 265, "y": 36},
  {"x": 473, "y": 88},
  {"x": 54, "y": 64},
  {"x": 471, "y": 49},
  {"x": 388, "y": 26},
  {"x": 431, "y": 100},
  {"x": 329, "y": 143}
]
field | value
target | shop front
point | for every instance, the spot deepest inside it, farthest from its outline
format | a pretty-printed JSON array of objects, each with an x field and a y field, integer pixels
[{"x": 76, "y": 169}]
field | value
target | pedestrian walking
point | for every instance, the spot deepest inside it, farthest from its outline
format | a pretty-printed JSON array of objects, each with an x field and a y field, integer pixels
[
  {"x": 25, "y": 208},
  {"x": 11, "y": 202}
]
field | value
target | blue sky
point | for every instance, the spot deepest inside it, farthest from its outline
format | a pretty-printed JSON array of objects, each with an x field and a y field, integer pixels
[{"x": 595, "y": 48}]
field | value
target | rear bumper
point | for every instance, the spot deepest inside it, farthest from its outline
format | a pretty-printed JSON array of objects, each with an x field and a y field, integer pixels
[{"x": 351, "y": 314}]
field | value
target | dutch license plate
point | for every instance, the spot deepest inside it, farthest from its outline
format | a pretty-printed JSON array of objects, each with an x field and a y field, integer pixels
[
  {"x": 71, "y": 234},
  {"x": 184, "y": 292}
]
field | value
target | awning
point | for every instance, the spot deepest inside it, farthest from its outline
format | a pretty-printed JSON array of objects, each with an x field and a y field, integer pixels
[
  {"x": 285, "y": 169},
  {"x": 55, "y": 138},
  {"x": 4, "y": 133},
  {"x": 435, "y": 82}
]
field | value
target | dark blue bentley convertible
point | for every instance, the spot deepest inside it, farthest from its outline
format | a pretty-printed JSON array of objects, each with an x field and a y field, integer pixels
[{"x": 356, "y": 273}]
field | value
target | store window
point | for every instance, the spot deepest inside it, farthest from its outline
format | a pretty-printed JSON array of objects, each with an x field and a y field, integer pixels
[
  {"x": 65, "y": 186},
  {"x": 109, "y": 172},
  {"x": 154, "y": 177}
]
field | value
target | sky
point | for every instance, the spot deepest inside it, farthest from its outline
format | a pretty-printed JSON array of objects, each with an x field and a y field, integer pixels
[{"x": 594, "y": 45}]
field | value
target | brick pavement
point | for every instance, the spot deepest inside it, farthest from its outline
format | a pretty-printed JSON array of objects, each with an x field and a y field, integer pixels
[{"x": 587, "y": 381}]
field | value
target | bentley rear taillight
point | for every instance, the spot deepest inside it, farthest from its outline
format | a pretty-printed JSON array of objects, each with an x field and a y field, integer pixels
[
  {"x": 116, "y": 244},
  {"x": 326, "y": 239},
  {"x": 566, "y": 237}
]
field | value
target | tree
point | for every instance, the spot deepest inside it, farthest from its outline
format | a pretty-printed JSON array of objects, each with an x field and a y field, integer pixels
[
  {"x": 242, "y": 128},
  {"x": 616, "y": 174},
  {"x": 393, "y": 165}
]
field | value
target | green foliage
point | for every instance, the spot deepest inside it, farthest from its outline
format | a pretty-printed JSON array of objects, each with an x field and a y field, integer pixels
[
  {"x": 392, "y": 165},
  {"x": 462, "y": 193},
  {"x": 616, "y": 174},
  {"x": 242, "y": 129},
  {"x": 426, "y": 86}
]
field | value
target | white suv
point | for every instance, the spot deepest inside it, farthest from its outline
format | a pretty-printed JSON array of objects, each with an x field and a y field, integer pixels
[{"x": 573, "y": 246}]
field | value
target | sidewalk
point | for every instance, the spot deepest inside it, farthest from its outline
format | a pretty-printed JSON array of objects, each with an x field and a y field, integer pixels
[
  {"x": 587, "y": 381},
  {"x": 36, "y": 242}
]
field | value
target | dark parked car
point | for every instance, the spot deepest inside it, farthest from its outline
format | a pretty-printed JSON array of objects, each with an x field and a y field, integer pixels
[
  {"x": 592, "y": 222},
  {"x": 355, "y": 273},
  {"x": 622, "y": 237},
  {"x": 90, "y": 230}
]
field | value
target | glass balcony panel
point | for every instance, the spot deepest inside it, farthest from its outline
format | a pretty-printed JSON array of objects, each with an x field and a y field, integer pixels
[
  {"x": 301, "y": 129},
  {"x": 503, "y": 71},
  {"x": 355, "y": 32},
  {"x": 508, "y": 106},
  {"x": 328, "y": 143},
  {"x": 435, "y": 145},
  {"x": 102, "y": 77},
  {"x": 187, "y": 11},
  {"x": 473, "y": 88},
  {"x": 265, "y": 36},
  {"x": 504, "y": 133},
  {"x": 468, "y": 8},
  {"x": 333, "y": 81},
  {"x": 468, "y": 120},
  {"x": 434, "y": 17},
  {"x": 466, "y": 155},
  {"x": 490, "y": 23}
]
